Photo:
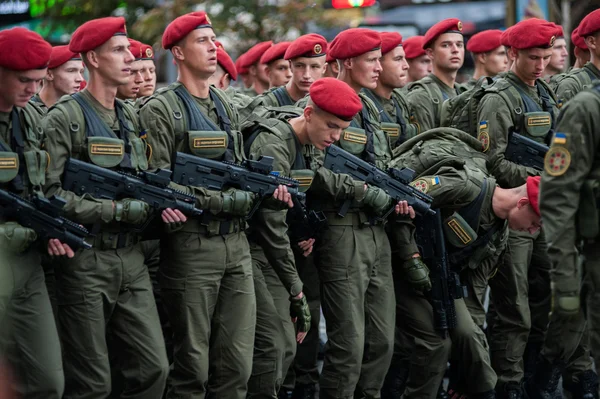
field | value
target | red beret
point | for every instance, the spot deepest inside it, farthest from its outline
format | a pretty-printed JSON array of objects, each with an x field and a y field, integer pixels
[
  {"x": 135, "y": 48},
  {"x": 577, "y": 40},
  {"x": 452, "y": 25},
  {"x": 533, "y": 192},
  {"x": 182, "y": 26},
  {"x": 60, "y": 55},
  {"x": 484, "y": 41},
  {"x": 328, "y": 58},
  {"x": 95, "y": 33},
  {"x": 253, "y": 55},
  {"x": 238, "y": 65},
  {"x": 590, "y": 24},
  {"x": 413, "y": 47},
  {"x": 345, "y": 104},
  {"x": 22, "y": 50},
  {"x": 532, "y": 33},
  {"x": 559, "y": 30},
  {"x": 354, "y": 42},
  {"x": 147, "y": 52},
  {"x": 389, "y": 41},
  {"x": 226, "y": 63},
  {"x": 274, "y": 52},
  {"x": 505, "y": 37},
  {"x": 311, "y": 45}
]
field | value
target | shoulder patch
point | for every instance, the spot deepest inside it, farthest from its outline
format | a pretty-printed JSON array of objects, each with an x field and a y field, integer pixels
[
  {"x": 484, "y": 139},
  {"x": 421, "y": 185},
  {"x": 557, "y": 161},
  {"x": 559, "y": 138}
]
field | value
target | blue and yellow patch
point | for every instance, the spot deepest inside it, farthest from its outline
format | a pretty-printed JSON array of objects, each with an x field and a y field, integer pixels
[
  {"x": 483, "y": 125},
  {"x": 435, "y": 180},
  {"x": 559, "y": 138}
]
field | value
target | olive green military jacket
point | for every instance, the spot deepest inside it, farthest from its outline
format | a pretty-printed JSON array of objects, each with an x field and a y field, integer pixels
[
  {"x": 575, "y": 81},
  {"x": 497, "y": 118},
  {"x": 425, "y": 98},
  {"x": 268, "y": 227},
  {"x": 64, "y": 127},
  {"x": 238, "y": 99},
  {"x": 568, "y": 201},
  {"x": 394, "y": 111},
  {"x": 164, "y": 136},
  {"x": 36, "y": 158}
]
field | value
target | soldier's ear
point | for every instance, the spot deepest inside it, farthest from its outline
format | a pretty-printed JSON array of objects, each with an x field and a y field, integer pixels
[
  {"x": 348, "y": 62},
  {"x": 429, "y": 52},
  {"x": 591, "y": 42},
  {"x": 224, "y": 81},
  {"x": 308, "y": 112},
  {"x": 177, "y": 52},
  {"x": 49, "y": 75},
  {"x": 523, "y": 201},
  {"x": 91, "y": 58}
]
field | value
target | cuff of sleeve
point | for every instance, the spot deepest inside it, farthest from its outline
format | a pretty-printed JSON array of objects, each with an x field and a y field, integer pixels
[
  {"x": 359, "y": 191},
  {"x": 295, "y": 289},
  {"x": 107, "y": 211}
]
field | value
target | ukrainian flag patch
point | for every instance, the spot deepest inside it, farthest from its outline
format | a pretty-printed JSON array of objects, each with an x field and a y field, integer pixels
[
  {"x": 435, "y": 180},
  {"x": 559, "y": 138},
  {"x": 483, "y": 125}
]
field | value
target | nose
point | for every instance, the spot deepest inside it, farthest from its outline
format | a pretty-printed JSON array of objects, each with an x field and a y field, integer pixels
[
  {"x": 336, "y": 135},
  {"x": 378, "y": 67},
  {"x": 32, "y": 87},
  {"x": 138, "y": 77},
  {"x": 129, "y": 58}
]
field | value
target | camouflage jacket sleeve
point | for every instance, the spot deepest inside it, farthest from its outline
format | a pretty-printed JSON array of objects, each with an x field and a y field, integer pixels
[
  {"x": 570, "y": 162},
  {"x": 269, "y": 226},
  {"x": 160, "y": 135},
  {"x": 422, "y": 109},
  {"x": 495, "y": 122},
  {"x": 567, "y": 89},
  {"x": 82, "y": 209},
  {"x": 412, "y": 129}
]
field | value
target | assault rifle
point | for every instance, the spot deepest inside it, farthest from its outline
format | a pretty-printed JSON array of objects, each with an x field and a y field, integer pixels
[
  {"x": 445, "y": 283},
  {"x": 526, "y": 152},
  {"x": 43, "y": 215},
  {"x": 395, "y": 182},
  {"x": 253, "y": 176},
  {"x": 152, "y": 188}
]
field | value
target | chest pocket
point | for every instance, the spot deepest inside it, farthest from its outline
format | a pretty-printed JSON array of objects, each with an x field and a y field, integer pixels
[
  {"x": 104, "y": 151},
  {"x": 9, "y": 166},
  {"x": 304, "y": 176},
  {"x": 208, "y": 144},
  {"x": 353, "y": 140},
  {"x": 36, "y": 162},
  {"x": 537, "y": 124}
]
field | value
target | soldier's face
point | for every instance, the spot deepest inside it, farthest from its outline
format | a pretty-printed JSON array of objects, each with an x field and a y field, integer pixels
[
  {"x": 323, "y": 128},
  {"x": 496, "y": 61},
  {"x": 199, "y": 52},
  {"x": 247, "y": 79},
  {"x": 365, "y": 69},
  {"x": 530, "y": 64},
  {"x": 261, "y": 74},
  {"x": 113, "y": 60},
  {"x": 395, "y": 69},
  {"x": 132, "y": 88},
  {"x": 448, "y": 52},
  {"x": 279, "y": 73},
  {"x": 559, "y": 55},
  {"x": 306, "y": 70},
  {"x": 18, "y": 87},
  {"x": 67, "y": 78},
  {"x": 523, "y": 217},
  {"x": 419, "y": 67},
  {"x": 148, "y": 71}
]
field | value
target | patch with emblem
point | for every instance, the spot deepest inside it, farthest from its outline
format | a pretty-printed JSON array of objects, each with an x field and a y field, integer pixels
[
  {"x": 559, "y": 103},
  {"x": 459, "y": 25},
  {"x": 484, "y": 139},
  {"x": 149, "y": 52},
  {"x": 552, "y": 40},
  {"x": 355, "y": 138},
  {"x": 209, "y": 143},
  {"x": 483, "y": 125},
  {"x": 421, "y": 185},
  {"x": 318, "y": 49},
  {"x": 106, "y": 149},
  {"x": 208, "y": 20},
  {"x": 559, "y": 138},
  {"x": 8, "y": 163},
  {"x": 557, "y": 161}
]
